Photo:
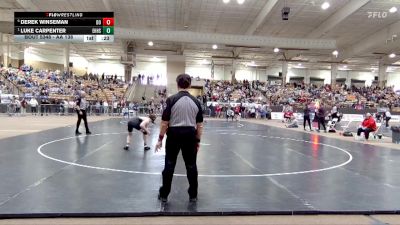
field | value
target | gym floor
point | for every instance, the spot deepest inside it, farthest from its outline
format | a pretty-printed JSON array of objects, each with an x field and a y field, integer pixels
[{"x": 243, "y": 168}]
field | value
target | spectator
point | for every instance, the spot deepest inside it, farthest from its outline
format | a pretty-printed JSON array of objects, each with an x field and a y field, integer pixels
[
  {"x": 334, "y": 113},
  {"x": 105, "y": 106},
  {"x": 97, "y": 108},
  {"x": 33, "y": 103},
  {"x": 321, "y": 117},
  {"x": 293, "y": 123},
  {"x": 115, "y": 108},
  {"x": 44, "y": 105},
  {"x": 17, "y": 106},
  {"x": 230, "y": 114},
  {"x": 12, "y": 106},
  {"x": 367, "y": 126},
  {"x": 64, "y": 107},
  {"x": 269, "y": 112},
  {"x": 23, "y": 106},
  {"x": 218, "y": 110},
  {"x": 388, "y": 116},
  {"x": 306, "y": 116}
]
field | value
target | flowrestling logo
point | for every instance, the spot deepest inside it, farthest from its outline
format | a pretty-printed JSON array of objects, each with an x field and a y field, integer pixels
[
  {"x": 381, "y": 14},
  {"x": 377, "y": 15}
]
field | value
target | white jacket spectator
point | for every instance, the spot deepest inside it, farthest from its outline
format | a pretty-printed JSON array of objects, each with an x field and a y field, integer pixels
[
  {"x": 33, "y": 102},
  {"x": 388, "y": 114},
  {"x": 17, "y": 103},
  {"x": 71, "y": 104},
  {"x": 105, "y": 106},
  {"x": 334, "y": 110}
]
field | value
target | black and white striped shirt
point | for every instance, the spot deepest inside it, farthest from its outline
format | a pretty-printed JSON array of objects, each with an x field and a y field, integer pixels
[
  {"x": 182, "y": 110},
  {"x": 82, "y": 103}
]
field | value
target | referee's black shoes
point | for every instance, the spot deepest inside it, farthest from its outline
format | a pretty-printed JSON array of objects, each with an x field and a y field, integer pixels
[
  {"x": 79, "y": 133},
  {"x": 162, "y": 199}
]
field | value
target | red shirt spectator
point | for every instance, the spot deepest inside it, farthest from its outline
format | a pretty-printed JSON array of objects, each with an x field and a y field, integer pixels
[
  {"x": 237, "y": 109},
  {"x": 369, "y": 122}
]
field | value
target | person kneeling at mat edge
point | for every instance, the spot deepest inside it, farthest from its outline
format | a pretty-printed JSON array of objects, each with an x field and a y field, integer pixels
[
  {"x": 141, "y": 124},
  {"x": 367, "y": 126},
  {"x": 293, "y": 123}
]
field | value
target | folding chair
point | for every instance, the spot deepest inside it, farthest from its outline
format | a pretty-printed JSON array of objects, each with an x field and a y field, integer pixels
[
  {"x": 346, "y": 132},
  {"x": 331, "y": 125},
  {"x": 375, "y": 133}
]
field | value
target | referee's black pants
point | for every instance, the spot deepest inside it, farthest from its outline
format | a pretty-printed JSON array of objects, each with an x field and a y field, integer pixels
[
  {"x": 180, "y": 138},
  {"x": 80, "y": 117}
]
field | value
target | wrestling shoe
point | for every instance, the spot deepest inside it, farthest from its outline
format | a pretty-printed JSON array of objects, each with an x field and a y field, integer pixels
[{"x": 126, "y": 147}]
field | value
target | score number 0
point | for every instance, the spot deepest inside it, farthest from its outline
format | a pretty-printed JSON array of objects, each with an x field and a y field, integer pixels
[{"x": 106, "y": 22}]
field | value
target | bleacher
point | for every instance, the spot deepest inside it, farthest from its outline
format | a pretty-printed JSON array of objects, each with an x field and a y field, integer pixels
[{"x": 62, "y": 89}]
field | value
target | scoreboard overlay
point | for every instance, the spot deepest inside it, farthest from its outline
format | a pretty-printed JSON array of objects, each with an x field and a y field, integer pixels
[{"x": 64, "y": 26}]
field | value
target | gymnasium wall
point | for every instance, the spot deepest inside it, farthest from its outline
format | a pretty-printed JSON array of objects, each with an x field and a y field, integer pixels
[
  {"x": 108, "y": 68},
  {"x": 45, "y": 65},
  {"x": 204, "y": 71},
  {"x": 253, "y": 73},
  {"x": 224, "y": 72},
  {"x": 54, "y": 60},
  {"x": 42, "y": 59},
  {"x": 152, "y": 69},
  {"x": 393, "y": 79}
]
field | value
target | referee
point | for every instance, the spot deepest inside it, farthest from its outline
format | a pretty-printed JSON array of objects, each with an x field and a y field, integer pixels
[
  {"x": 81, "y": 105},
  {"x": 182, "y": 120}
]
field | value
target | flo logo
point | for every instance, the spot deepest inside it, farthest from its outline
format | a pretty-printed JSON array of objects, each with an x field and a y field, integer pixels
[{"x": 377, "y": 15}]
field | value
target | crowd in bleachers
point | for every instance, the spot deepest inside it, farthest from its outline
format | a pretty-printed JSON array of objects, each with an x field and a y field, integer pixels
[
  {"x": 4, "y": 89},
  {"x": 61, "y": 88},
  {"x": 58, "y": 85},
  {"x": 320, "y": 104},
  {"x": 45, "y": 92},
  {"x": 298, "y": 94}
]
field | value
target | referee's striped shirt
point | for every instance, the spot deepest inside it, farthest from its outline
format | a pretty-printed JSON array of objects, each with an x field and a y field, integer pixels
[
  {"x": 182, "y": 110},
  {"x": 82, "y": 103}
]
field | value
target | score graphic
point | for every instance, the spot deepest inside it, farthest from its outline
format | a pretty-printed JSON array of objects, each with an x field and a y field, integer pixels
[{"x": 64, "y": 26}]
